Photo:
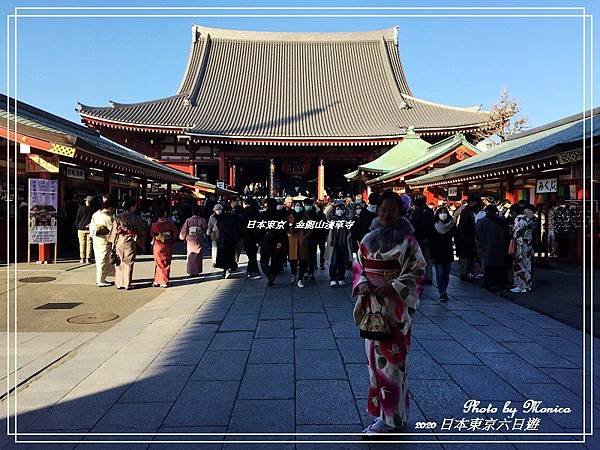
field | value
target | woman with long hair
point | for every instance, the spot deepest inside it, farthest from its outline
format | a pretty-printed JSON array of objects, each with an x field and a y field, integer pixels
[{"x": 388, "y": 285}]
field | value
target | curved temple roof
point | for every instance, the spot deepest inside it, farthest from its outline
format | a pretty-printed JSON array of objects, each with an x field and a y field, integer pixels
[{"x": 291, "y": 86}]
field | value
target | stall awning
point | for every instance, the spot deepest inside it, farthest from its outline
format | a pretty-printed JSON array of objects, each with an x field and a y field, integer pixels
[
  {"x": 543, "y": 142},
  {"x": 48, "y": 132}
]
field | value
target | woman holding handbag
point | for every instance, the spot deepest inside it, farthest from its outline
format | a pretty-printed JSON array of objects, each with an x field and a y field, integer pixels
[
  {"x": 387, "y": 287},
  {"x": 100, "y": 227},
  {"x": 127, "y": 234}
]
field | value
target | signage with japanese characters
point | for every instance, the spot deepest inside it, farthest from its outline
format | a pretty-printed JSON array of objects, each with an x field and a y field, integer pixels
[
  {"x": 546, "y": 185},
  {"x": 76, "y": 172},
  {"x": 453, "y": 191},
  {"x": 43, "y": 211}
]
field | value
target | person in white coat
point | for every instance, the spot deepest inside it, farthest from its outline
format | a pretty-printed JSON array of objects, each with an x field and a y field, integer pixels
[{"x": 100, "y": 226}]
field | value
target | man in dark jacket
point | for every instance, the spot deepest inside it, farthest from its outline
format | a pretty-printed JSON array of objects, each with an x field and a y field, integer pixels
[
  {"x": 272, "y": 242},
  {"x": 82, "y": 223},
  {"x": 237, "y": 211},
  {"x": 250, "y": 237},
  {"x": 367, "y": 215},
  {"x": 422, "y": 221},
  {"x": 466, "y": 246},
  {"x": 492, "y": 236}
]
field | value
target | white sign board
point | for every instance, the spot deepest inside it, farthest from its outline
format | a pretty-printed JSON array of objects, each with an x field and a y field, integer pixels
[
  {"x": 221, "y": 184},
  {"x": 452, "y": 191},
  {"x": 546, "y": 185}
]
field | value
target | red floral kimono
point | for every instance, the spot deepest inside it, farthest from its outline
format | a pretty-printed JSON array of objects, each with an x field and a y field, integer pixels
[
  {"x": 164, "y": 234},
  {"x": 403, "y": 266}
]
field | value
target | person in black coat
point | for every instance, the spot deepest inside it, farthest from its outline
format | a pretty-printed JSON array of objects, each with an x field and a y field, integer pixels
[
  {"x": 441, "y": 235},
  {"x": 228, "y": 224},
  {"x": 82, "y": 224},
  {"x": 319, "y": 235},
  {"x": 492, "y": 236},
  {"x": 466, "y": 246},
  {"x": 365, "y": 219},
  {"x": 312, "y": 237},
  {"x": 272, "y": 242},
  {"x": 422, "y": 221},
  {"x": 250, "y": 237}
]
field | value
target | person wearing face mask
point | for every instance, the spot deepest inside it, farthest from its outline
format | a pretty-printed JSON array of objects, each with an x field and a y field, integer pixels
[
  {"x": 311, "y": 238},
  {"x": 213, "y": 231},
  {"x": 355, "y": 230},
  {"x": 523, "y": 230},
  {"x": 441, "y": 245},
  {"x": 271, "y": 243},
  {"x": 297, "y": 245},
  {"x": 320, "y": 234},
  {"x": 492, "y": 238},
  {"x": 367, "y": 215},
  {"x": 339, "y": 248}
]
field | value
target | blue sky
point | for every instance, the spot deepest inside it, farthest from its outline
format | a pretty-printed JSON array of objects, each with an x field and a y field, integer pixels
[{"x": 457, "y": 61}]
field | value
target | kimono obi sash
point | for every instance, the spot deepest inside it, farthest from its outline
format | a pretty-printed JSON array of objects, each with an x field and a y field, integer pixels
[
  {"x": 124, "y": 231},
  {"x": 382, "y": 269}
]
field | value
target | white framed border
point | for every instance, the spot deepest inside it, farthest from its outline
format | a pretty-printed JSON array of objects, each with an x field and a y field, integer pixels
[{"x": 571, "y": 13}]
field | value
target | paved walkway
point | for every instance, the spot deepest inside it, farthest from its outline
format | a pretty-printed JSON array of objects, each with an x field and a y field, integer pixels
[{"x": 231, "y": 356}]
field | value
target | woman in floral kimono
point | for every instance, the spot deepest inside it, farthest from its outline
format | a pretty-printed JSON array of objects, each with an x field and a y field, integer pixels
[
  {"x": 127, "y": 234},
  {"x": 100, "y": 228},
  {"x": 192, "y": 231},
  {"x": 523, "y": 229},
  {"x": 164, "y": 235},
  {"x": 389, "y": 280}
]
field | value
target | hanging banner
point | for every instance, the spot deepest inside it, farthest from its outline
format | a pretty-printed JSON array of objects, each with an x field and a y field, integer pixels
[
  {"x": 296, "y": 167},
  {"x": 43, "y": 211},
  {"x": 39, "y": 163}
]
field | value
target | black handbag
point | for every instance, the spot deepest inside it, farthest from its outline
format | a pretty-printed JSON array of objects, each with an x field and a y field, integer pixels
[{"x": 114, "y": 258}]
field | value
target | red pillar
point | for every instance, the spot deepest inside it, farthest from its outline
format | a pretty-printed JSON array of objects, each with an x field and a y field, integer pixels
[
  {"x": 231, "y": 177},
  {"x": 221, "y": 165},
  {"x": 321, "y": 180}
]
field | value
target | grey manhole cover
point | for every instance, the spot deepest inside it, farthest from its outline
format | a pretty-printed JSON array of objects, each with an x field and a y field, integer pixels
[
  {"x": 93, "y": 318},
  {"x": 36, "y": 279}
]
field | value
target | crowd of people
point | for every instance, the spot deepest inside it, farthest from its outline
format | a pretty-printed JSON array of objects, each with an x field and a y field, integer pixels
[{"x": 491, "y": 240}]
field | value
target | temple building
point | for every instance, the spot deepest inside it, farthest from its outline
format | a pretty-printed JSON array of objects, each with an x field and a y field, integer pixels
[
  {"x": 282, "y": 111},
  {"x": 411, "y": 158}
]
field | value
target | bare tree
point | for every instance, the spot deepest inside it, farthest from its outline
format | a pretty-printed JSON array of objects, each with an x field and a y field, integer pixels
[{"x": 503, "y": 121}]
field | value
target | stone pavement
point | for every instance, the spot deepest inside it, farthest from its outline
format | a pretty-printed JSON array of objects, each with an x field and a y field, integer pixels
[{"x": 231, "y": 356}]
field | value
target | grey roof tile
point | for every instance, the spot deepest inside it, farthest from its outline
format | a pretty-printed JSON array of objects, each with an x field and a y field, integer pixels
[{"x": 292, "y": 86}]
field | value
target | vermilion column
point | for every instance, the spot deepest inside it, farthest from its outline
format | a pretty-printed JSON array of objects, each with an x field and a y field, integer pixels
[
  {"x": 221, "y": 165},
  {"x": 321, "y": 180}
]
